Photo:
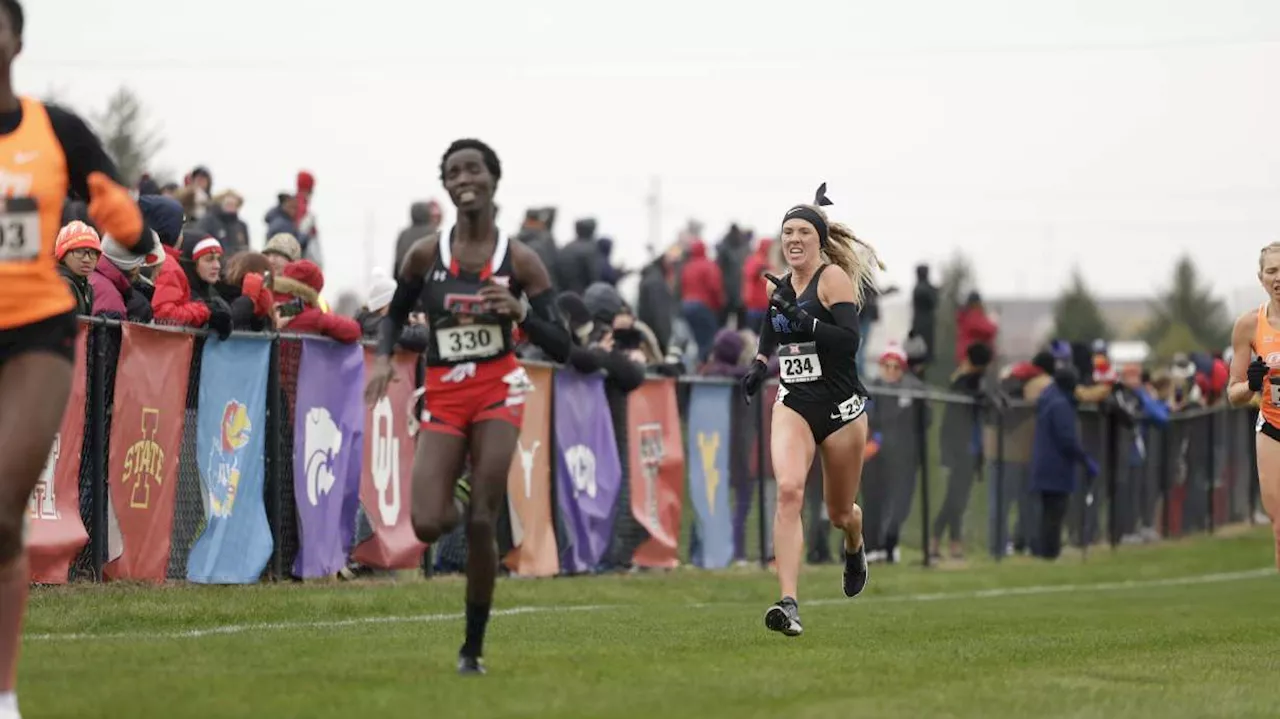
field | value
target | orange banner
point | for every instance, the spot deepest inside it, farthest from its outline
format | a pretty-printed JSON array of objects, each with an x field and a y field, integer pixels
[
  {"x": 57, "y": 533},
  {"x": 529, "y": 486},
  {"x": 657, "y": 470},
  {"x": 147, "y": 418},
  {"x": 386, "y": 479}
]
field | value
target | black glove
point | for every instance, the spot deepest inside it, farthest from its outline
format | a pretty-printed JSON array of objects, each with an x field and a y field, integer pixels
[
  {"x": 241, "y": 311},
  {"x": 220, "y": 318},
  {"x": 754, "y": 377},
  {"x": 784, "y": 301},
  {"x": 669, "y": 369},
  {"x": 1257, "y": 373}
]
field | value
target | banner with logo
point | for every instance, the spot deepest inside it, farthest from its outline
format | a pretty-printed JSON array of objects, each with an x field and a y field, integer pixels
[
  {"x": 230, "y": 451},
  {"x": 386, "y": 478},
  {"x": 588, "y": 471},
  {"x": 328, "y": 451},
  {"x": 657, "y": 470},
  {"x": 710, "y": 420},
  {"x": 529, "y": 486},
  {"x": 147, "y": 417},
  {"x": 56, "y": 533}
]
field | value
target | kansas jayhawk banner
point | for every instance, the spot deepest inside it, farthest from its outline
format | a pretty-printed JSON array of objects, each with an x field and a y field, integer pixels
[
  {"x": 147, "y": 419},
  {"x": 657, "y": 470}
]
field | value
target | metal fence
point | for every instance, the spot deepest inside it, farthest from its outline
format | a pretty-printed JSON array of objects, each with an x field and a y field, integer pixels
[{"x": 949, "y": 469}]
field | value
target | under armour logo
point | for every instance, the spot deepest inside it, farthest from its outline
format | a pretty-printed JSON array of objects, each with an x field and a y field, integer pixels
[{"x": 438, "y": 276}]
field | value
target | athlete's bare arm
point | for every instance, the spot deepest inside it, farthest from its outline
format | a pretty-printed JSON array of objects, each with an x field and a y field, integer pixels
[
  {"x": 1238, "y": 392},
  {"x": 417, "y": 261},
  {"x": 529, "y": 270},
  {"x": 834, "y": 288}
]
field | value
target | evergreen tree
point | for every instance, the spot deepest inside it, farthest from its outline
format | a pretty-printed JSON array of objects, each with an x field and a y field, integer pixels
[
  {"x": 1076, "y": 316},
  {"x": 1190, "y": 302}
]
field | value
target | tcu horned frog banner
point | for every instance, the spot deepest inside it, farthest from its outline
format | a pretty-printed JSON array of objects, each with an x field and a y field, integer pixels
[
  {"x": 657, "y": 470},
  {"x": 588, "y": 471},
  {"x": 147, "y": 418},
  {"x": 328, "y": 449},
  {"x": 529, "y": 486},
  {"x": 56, "y": 533},
  {"x": 387, "y": 478}
]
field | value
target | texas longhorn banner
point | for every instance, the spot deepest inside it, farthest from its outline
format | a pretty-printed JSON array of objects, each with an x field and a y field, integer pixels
[
  {"x": 328, "y": 450},
  {"x": 529, "y": 486},
  {"x": 588, "y": 471},
  {"x": 657, "y": 470},
  {"x": 386, "y": 480},
  {"x": 230, "y": 449},
  {"x": 710, "y": 422},
  {"x": 147, "y": 417},
  {"x": 56, "y": 533}
]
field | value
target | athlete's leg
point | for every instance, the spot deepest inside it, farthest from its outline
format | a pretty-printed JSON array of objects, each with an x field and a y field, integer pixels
[
  {"x": 493, "y": 444},
  {"x": 437, "y": 463},
  {"x": 34, "y": 387},
  {"x": 841, "y": 476},
  {"x": 793, "y": 448},
  {"x": 1269, "y": 483}
]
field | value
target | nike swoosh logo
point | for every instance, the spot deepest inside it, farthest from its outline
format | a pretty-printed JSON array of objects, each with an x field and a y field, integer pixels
[{"x": 23, "y": 158}]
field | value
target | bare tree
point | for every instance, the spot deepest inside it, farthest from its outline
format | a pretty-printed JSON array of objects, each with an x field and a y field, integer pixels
[{"x": 125, "y": 135}]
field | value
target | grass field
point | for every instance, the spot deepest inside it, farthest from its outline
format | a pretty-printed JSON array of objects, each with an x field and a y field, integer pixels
[{"x": 1187, "y": 629}]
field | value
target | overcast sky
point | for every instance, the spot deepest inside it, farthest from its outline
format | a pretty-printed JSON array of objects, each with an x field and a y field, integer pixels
[{"x": 1032, "y": 135}]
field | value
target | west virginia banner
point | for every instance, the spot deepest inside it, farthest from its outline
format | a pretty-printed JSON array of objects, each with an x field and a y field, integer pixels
[
  {"x": 328, "y": 450},
  {"x": 230, "y": 451},
  {"x": 588, "y": 471},
  {"x": 529, "y": 486},
  {"x": 147, "y": 418},
  {"x": 386, "y": 480},
  {"x": 56, "y": 533},
  {"x": 657, "y": 470},
  {"x": 710, "y": 422}
]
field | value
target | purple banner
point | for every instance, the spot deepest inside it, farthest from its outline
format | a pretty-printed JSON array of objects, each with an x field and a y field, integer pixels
[
  {"x": 328, "y": 448},
  {"x": 588, "y": 473}
]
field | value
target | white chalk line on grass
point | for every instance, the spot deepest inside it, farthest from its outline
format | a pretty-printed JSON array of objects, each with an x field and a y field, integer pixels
[{"x": 228, "y": 629}]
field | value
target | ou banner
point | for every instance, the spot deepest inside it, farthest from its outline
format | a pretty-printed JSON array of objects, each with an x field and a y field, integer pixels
[
  {"x": 328, "y": 449},
  {"x": 386, "y": 481},
  {"x": 56, "y": 533},
  {"x": 529, "y": 486},
  {"x": 710, "y": 424},
  {"x": 588, "y": 471},
  {"x": 147, "y": 419},
  {"x": 657, "y": 470}
]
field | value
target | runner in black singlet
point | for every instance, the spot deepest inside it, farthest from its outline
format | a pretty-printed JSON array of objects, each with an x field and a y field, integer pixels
[
  {"x": 813, "y": 324},
  {"x": 470, "y": 280}
]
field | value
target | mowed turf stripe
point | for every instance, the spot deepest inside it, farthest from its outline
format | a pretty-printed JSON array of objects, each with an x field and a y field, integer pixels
[{"x": 995, "y": 593}]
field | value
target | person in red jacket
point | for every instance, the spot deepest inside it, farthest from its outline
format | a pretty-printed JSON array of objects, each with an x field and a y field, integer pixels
[
  {"x": 973, "y": 326},
  {"x": 755, "y": 296},
  {"x": 297, "y": 295},
  {"x": 184, "y": 288},
  {"x": 702, "y": 288}
]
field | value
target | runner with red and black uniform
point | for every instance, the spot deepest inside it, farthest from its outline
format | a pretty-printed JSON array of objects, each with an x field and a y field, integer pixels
[
  {"x": 470, "y": 280},
  {"x": 46, "y": 153}
]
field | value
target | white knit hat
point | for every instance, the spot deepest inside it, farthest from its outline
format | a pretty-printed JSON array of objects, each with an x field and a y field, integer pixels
[
  {"x": 121, "y": 256},
  {"x": 381, "y": 288}
]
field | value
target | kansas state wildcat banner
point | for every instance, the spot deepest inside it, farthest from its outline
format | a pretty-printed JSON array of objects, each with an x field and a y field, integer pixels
[
  {"x": 230, "y": 452},
  {"x": 328, "y": 451},
  {"x": 710, "y": 421},
  {"x": 657, "y": 470},
  {"x": 588, "y": 472}
]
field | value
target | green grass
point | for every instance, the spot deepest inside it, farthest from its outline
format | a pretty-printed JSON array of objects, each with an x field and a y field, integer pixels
[{"x": 1122, "y": 635}]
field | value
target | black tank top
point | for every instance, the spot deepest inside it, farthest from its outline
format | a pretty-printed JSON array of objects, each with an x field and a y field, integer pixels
[
  {"x": 461, "y": 329},
  {"x": 810, "y": 374}
]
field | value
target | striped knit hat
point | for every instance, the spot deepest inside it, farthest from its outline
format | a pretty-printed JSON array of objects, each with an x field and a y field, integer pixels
[{"x": 76, "y": 236}]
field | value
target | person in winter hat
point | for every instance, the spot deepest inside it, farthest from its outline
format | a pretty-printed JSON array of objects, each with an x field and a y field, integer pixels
[
  {"x": 282, "y": 249},
  {"x": 184, "y": 289},
  {"x": 297, "y": 297},
  {"x": 113, "y": 281},
  {"x": 381, "y": 287},
  {"x": 77, "y": 249}
]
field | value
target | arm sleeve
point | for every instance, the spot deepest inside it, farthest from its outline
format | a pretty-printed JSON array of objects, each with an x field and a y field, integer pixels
[
  {"x": 768, "y": 343},
  {"x": 624, "y": 373},
  {"x": 408, "y": 289},
  {"x": 1155, "y": 410},
  {"x": 841, "y": 336},
  {"x": 543, "y": 326}
]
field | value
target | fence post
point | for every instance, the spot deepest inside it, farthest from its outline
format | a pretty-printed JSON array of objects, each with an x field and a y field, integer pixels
[
  {"x": 922, "y": 436},
  {"x": 98, "y": 445},
  {"x": 1166, "y": 451},
  {"x": 1110, "y": 419},
  {"x": 1002, "y": 513},
  {"x": 274, "y": 427},
  {"x": 1212, "y": 473},
  {"x": 1251, "y": 480},
  {"x": 760, "y": 475}
]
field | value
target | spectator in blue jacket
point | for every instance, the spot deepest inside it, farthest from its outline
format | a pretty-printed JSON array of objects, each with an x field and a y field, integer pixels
[
  {"x": 1055, "y": 451},
  {"x": 1140, "y": 486}
]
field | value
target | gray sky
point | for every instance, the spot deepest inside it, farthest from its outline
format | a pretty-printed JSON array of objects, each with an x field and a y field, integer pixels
[{"x": 1031, "y": 134}]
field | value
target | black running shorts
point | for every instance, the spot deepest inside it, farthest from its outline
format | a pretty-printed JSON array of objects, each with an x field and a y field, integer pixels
[
  {"x": 56, "y": 334},
  {"x": 824, "y": 418}
]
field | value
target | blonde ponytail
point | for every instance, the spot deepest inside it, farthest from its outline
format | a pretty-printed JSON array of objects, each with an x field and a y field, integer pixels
[{"x": 857, "y": 258}]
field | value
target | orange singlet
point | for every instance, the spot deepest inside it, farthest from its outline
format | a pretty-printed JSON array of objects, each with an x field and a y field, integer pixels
[
  {"x": 33, "y": 185},
  {"x": 1266, "y": 344}
]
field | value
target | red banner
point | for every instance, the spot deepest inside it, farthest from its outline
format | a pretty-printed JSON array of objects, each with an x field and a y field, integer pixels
[
  {"x": 56, "y": 534},
  {"x": 386, "y": 479},
  {"x": 657, "y": 470},
  {"x": 147, "y": 418},
  {"x": 529, "y": 486}
]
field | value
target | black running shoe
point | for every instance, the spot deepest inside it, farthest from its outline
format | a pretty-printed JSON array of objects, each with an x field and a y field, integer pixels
[
  {"x": 470, "y": 665},
  {"x": 784, "y": 617},
  {"x": 855, "y": 571}
]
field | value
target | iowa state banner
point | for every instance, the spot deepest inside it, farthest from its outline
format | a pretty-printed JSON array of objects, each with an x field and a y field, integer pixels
[
  {"x": 328, "y": 451},
  {"x": 230, "y": 452},
  {"x": 147, "y": 417},
  {"x": 710, "y": 421},
  {"x": 588, "y": 471},
  {"x": 657, "y": 470},
  {"x": 386, "y": 478},
  {"x": 529, "y": 486},
  {"x": 56, "y": 533}
]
